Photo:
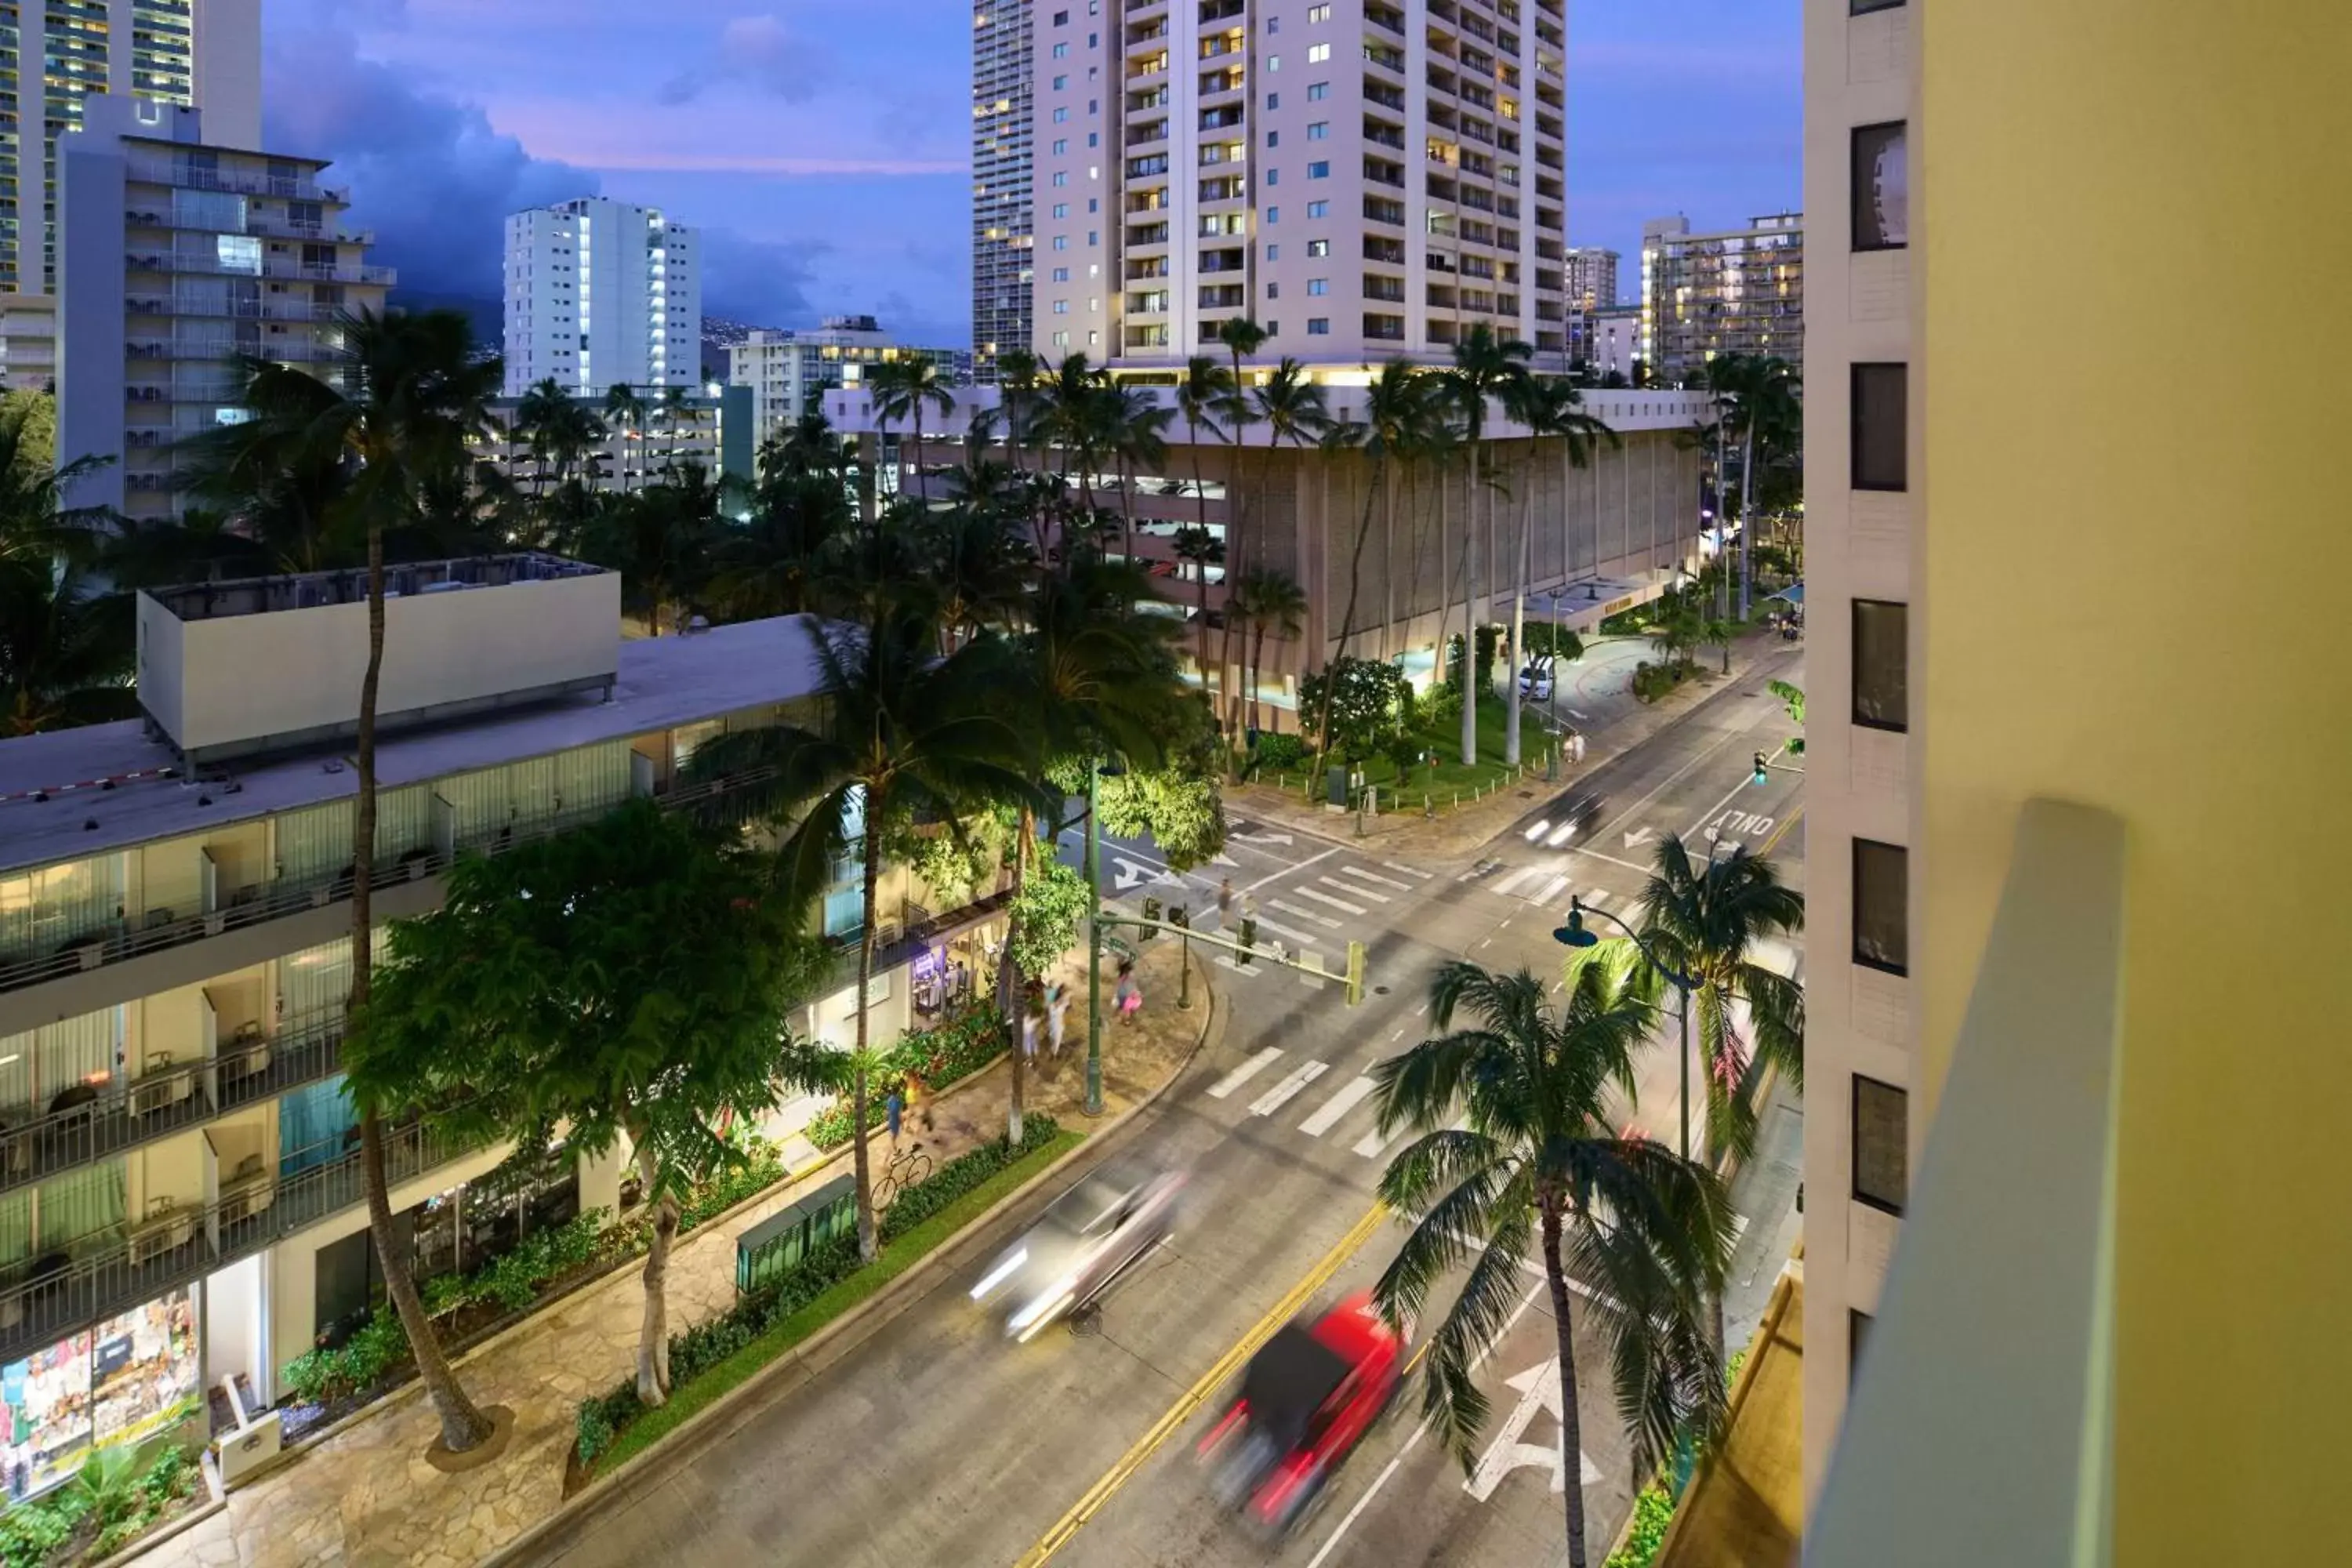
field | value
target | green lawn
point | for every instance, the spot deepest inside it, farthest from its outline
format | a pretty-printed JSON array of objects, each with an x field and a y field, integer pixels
[
  {"x": 897, "y": 1257},
  {"x": 1449, "y": 778}
]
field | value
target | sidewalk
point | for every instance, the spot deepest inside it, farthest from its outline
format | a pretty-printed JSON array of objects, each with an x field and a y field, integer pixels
[
  {"x": 1454, "y": 834},
  {"x": 364, "y": 1497}
]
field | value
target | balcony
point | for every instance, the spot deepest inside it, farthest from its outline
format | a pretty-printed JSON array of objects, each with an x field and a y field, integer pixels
[
  {"x": 1981, "y": 1430},
  {"x": 271, "y": 266},
  {"x": 163, "y": 172},
  {"x": 97, "y": 1276}
]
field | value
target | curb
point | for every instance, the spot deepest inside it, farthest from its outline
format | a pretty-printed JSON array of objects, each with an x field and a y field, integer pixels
[{"x": 706, "y": 1428}]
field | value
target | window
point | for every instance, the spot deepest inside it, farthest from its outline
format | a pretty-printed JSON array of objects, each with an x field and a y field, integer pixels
[
  {"x": 1273, "y": 23},
  {"x": 1317, "y": 92},
  {"x": 1857, "y": 1334},
  {"x": 1094, "y": 138},
  {"x": 1061, "y": 340},
  {"x": 1061, "y": 176},
  {"x": 1318, "y": 53},
  {"x": 1062, "y": 115},
  {"x": 1881, "y": 187},
  {"x": 1061, "y": 242},
  {"x": 1317, "y": 14},
  {"x": 1061, "y": 83},
  {"x": 1061, "y": 19},
  {"x": 1865, "y": 8},
  {"x": 1319, "y": 326},
  {"x": 1061, "y": 50},
  {"x": 1881, "y": 443},
  {"x": 1061, "y": 275},
  {"x": 1273, "y": 139},
  {"x": 1882, "y": 879},
  {"x": 1061, "y": 146},
  {"x": 1318, "y": 247},
  {"x": 1274, "y": 252},
  {"x": 1319, "y": 171},
  {"x": 1318, "y": 285},
  {"x": 1319, "y": 209},
  {"x": 1273, "y": 291},
  {"x": 1273, "y": 102},
  {"x": 1273, "y": 176},
  {"x": 1094, "y": 236},
  {"x": 1274, "y": 214},
  {"x": 1061, "y": 209},
  {"x": 1061, "y": 307},
  {"x": 1318, "y": 131},
  {"x": 1094, "y": 203},
  {"x": 1094, "y": 40},
  {"x": 1881, "y": 670},
  {"x": 1882, "y": 1117},
  {"x": 1274, "y": 62}
]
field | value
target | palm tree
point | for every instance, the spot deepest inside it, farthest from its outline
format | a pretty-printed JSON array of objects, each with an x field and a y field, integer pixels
[
  {"x": 1270, "y": 602},
  {"x": 1547, "y": 407},
  {"x": 1205, "y": 390},
  {"x": 625, "y": 412},
  {"x": 1139, "y": 443},
  {"x": 1770, "y": 418},
  {"x": 68, "y": 648},
  {"x": 1200, "y": 549},
  {"x": 1072, "y": 417},
  {"x": 905, "y": 735},
  {"x": 659, "y": 539},
  {"x": 1395, "y": 408},
  {"x": 1517, "y": 1148},
  {"x": 902, "y": 388},
  {"x": 1292, "y": 406},
  {"x": 1485, "y": 366},
  {"x": 408, "y": 394}
]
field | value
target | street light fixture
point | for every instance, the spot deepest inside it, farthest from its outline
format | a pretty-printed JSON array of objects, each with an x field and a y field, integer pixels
[{"x": 1574, "y": 934}]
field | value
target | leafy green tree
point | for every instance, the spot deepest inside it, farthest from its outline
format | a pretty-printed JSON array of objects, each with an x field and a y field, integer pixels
[
  {"x": 1364, "y": 704},
  {"x": 1516, "y": 1153},
  {"x": 1180, "y": 803},
  {"x": 67, "y": 649},
  {"x": 660, "y": 539},
  {"x": 631, "y": 978},
  {"x": 903, "y": 732},
  {"x": 1046, "y": 913}
]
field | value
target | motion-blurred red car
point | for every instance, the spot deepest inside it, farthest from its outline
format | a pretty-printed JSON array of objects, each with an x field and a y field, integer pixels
[{"x": 1307, "y": 1400}]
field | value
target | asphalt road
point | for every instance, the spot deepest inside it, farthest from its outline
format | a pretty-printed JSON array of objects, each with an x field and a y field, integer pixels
[{"x": 934, "y": 1440}]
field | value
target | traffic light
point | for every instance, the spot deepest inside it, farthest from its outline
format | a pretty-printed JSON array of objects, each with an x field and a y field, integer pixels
[
  {"x": 1355, "y": 972},
  {"x": 1180, "y": 916},
  {"x": 1151, "y": 913},
  {"x": 1248, "y": 937},
  {"x": 1762, "y": 762}
]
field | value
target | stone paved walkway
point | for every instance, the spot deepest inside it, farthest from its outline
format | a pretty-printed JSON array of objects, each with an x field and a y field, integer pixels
[{"x": 366, "y": 1499}]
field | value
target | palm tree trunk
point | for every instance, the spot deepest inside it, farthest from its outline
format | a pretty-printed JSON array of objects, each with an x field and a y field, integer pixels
[
  {"x": 1201, "y": 507},
  {"x": 1008, "y": 978},
  {"x": 1257, "y": 665},
  {"x": 1747, "y": 498},
  {"x": 653, "y": 1334},
  {"x": 1470, "y": 693},
  {"x": 462, "y": 1426},
  {"x": 1518, "y": 619},
  {"x": 868, "y": 1246},
  {"x": 1571, "y": 1431},
  {"x": 1348, "y": 616},
  {"x": 1444, "y": 577},
  {"x": 1722, "y": 507}
]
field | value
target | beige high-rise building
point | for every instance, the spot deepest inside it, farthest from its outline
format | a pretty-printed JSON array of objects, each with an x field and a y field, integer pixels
[
  {"x": 1365, "y": 179},
  {"x": 1734, "y": 291},
  {"x": 1592, "y": 278}
]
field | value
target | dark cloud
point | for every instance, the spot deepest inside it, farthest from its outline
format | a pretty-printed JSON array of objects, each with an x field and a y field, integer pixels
[
  {"x": 761, "y": 53},
  {"x": 436, "y": 181}
]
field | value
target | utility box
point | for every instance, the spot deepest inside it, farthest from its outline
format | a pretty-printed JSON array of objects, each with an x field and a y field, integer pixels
[
  {"x": 764, "y": 1253},
  {"x": 1335, "y": 786}
]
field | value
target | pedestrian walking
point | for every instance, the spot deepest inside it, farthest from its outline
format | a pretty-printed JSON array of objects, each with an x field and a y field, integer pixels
[
  {"x": 1225, "y": 903},
  {"x": 1058, "y": 1014},
  {"x": 1576, "y": 746},
  {"x": 1129, "y": 996},
  {"x": 893, "y": 1108},
  {"x": 918, "y": 1103}
]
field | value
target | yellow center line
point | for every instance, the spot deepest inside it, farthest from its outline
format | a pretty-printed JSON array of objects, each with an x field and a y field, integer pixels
[
  {"x": 1117, "y": 1476},
  {"x": 1780, "y": 832}
]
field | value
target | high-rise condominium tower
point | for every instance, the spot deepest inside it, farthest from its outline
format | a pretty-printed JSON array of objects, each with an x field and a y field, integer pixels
[
  {"x": 599, "y": 292},
  {"x": 1000, "y": 127},
  {"x": 1363, "y": 178}
]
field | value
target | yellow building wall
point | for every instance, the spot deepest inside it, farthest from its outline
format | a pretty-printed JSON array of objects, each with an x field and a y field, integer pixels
[{"x": 2137, "y": 574}]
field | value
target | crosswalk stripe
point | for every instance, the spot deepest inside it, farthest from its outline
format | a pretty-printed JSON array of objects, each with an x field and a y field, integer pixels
[
  {"x": 1291, "y": 932},
  {"x": 1512, "y": 883},
  {"x": 1335, "y": 1107},
  {"x": 1362, "y": 875},
  {"x": 1325, "y": 921},
  {"x": 1408, "y": 870},
  {"x": 1596, "y": 898},
  {"x": 1340, "y": 904},
  {"x": 1372, "y": 1144},
  {"x": 1552, "y": 890},
  {"x": 1246, "y": 971},
  {"x": 1243, "y": 1073},
  {"x": 1353, "y": 891},
  {"x": 1274, "y": 1098}
]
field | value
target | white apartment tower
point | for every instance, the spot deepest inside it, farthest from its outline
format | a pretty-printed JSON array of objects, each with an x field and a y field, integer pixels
[
  {"x": 1002, "y": 126},
  {"x": 201, "y": 54},
  {"x": 1364, "y": 178},
  {"x": 1862, "y": 438},
  {"x": 599, "y": 292}
]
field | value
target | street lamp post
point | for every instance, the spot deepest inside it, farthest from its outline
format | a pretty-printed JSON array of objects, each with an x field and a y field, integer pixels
[
  {"x": 1574, "y": 935},
  {"x": 1094, "y": 1102}
]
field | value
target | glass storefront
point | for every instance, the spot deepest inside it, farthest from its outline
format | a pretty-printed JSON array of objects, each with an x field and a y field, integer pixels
[{"x": 121, "y": 1381}]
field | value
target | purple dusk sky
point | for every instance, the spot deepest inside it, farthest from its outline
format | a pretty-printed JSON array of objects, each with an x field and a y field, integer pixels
[{"x": 823, "y": 147}]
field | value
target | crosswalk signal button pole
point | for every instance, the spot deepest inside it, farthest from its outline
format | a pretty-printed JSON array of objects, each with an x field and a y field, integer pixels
[
  {"x": 1355, "y": 972},
  {"x": 1762, "y": 763},
  {"x": 1249, "y": 939}
]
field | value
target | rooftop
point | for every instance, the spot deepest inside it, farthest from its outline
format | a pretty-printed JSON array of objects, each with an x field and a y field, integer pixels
[
  {"x": 310, "y": 590},
  {"x": 662, "y": 682}
]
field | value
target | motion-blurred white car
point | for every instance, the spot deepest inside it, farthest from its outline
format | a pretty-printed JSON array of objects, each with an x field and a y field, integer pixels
[{"x": 1088, "y": 1237}]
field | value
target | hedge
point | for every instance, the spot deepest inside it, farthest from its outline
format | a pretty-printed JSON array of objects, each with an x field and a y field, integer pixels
[
  {"x": 601, "y": 1419},
  {"x": 128, "y": 1498}
]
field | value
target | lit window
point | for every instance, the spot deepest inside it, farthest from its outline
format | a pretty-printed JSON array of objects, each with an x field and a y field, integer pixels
[
  {"x": 1274, "y": 62},
  {"x": 1318, "y": 53},
  {"x": 1318, "y": 247},
  {"x": 1061, "y": 340},
  {"x": 1317, "y": 14}
]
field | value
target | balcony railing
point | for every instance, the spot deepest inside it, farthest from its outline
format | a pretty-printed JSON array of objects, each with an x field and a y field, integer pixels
[
  {"x": 1980, "y": 1430},
  {"x": 163, "y": 172},
  {"x": 76, "y": 1283},
  {"x": 265, "y": 901},
  {"x": 88, "y": 1122}
]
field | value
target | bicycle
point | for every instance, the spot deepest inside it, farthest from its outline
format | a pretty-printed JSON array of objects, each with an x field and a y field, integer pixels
[{"x": 906, "y": 1168}]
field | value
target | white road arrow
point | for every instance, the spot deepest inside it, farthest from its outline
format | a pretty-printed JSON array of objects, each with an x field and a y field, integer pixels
[
  {"x": 1539, "y": 1389},
  {"x": 1222, "y": 859},
  {"x": 1129, "y": 873},
  {"x": 1256, "y": 838},
  {"x": 1640, "y": 836}
]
